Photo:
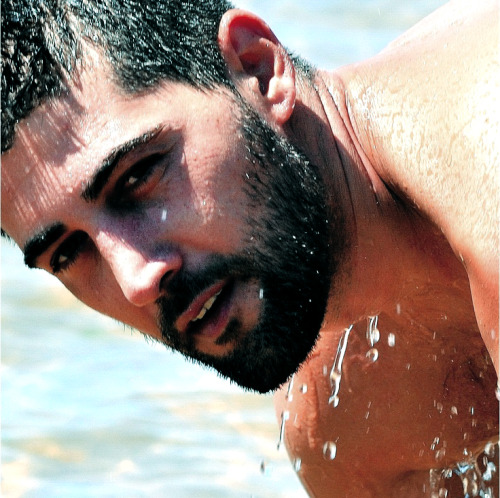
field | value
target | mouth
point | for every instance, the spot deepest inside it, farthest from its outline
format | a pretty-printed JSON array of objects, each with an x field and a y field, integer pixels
[{"x": 208, "y": 313}]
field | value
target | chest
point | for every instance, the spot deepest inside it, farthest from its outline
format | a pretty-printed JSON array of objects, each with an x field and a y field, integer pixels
[{"x": 389, "y": 397}]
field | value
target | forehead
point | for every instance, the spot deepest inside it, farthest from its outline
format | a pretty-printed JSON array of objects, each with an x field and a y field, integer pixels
[
  {"x": 62, "y": 142},
  {"x": 57, "y": 136}
]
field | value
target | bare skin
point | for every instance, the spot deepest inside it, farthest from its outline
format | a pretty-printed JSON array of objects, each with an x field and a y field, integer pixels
[
  {"x": 396, "y": 162},
  {"x": 416, "y": 144}
]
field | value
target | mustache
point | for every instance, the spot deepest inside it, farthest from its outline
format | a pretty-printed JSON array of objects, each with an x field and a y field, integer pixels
[{"x": 180, "y": 291}]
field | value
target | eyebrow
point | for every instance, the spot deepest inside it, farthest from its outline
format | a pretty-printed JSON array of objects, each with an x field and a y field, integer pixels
[
  {"x": 40, "y": 242},
  {"x": 101, "y": 176}
]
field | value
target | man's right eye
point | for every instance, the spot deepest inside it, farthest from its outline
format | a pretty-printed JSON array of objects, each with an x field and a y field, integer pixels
[{"x": 66, "y": 254}]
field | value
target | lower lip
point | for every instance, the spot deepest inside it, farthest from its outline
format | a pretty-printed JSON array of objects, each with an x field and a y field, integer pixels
[{"x": 215, "y": 321}]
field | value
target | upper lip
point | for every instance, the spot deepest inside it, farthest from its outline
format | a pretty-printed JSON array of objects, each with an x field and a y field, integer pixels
[{"x": 197, "y": 305}]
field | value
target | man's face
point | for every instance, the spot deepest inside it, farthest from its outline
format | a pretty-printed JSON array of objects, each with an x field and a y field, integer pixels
[{"x": 171, "y": 214}]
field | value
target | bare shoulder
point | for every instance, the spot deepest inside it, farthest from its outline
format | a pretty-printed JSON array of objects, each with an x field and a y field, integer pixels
[{"x": 426, "y": 113}]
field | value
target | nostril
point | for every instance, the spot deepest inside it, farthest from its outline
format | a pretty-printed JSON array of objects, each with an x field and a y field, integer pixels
[{"x": 165, "y": 281}]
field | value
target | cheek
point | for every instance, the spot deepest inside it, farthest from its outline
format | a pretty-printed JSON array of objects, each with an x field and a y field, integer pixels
[
  {"x": 209, "y": 204},
  {"x": 92, "y": 284},
  {"x": 100, "y": 291}
]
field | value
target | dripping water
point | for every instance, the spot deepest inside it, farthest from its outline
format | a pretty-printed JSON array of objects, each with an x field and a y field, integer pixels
[
  {"x": 329, "y": 450},
  {"x": 476, "y": 479},
  {"x": 336, "y": 371},
  {"x": 285, "y": 415},
  {"x": 372, "y": 336}
]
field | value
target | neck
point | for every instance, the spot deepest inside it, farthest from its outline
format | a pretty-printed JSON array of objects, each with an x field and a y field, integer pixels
[{"x": 388, "y": 245}]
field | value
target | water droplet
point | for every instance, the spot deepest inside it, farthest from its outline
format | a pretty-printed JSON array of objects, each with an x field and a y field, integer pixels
[
  {"x": 334, "y": 401},
  {"x": 439, "y": 407},
  {"x": 454, "y": 410},
  {"x": 490, "y": 470},
  {"x": 372, "y": 331},
  {"x": 398, "y": 309},
  {"x": 164, "y": 215},
  {"x": 329, "y": 450},
  {"x": 261, "y": 294},
  {"x": 372, "y": 355},
  {"x": 284, "y": 417},
  {"x": 334, "y": 377},
  {"x": 297, "y": 464},
  {"x": 448, "y": 473},
  {"x": 440, "y": 454},
  {"x": 497, "y": 393},
  {"x": 470, "y": 487},
  {"x": 336, "y": 371},
  {"x": 303, "y": 388},
  {"x": 391, "y": 340},
  {"x": 489, "y": 449},
  {"x": 434, "y": 443}
]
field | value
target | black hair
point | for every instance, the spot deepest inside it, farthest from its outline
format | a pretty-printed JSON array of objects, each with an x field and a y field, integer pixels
[{"x": 144, "y": 41}]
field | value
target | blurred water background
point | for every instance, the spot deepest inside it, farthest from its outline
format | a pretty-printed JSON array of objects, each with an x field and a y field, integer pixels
[{"x": 91, "y": 409}]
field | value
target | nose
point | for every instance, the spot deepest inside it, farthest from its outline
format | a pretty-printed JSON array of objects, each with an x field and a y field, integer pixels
[{"x": 139, "y": 275}]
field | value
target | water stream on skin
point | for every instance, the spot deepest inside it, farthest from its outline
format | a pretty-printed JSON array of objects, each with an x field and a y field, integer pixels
[
  {"x": 372, "y": 336},
  {"x": 336, "y": 371},
  {"x": 476, "y": 474},
  {"x": 285, "y": 415}
]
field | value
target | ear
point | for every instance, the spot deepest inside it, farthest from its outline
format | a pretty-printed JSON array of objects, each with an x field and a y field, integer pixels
[{"x": 258, "y": 64}]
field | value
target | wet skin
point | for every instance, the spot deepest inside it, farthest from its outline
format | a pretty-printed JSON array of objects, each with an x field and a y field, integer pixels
[
  {"x": 407, "y": 258},
  {"x": 250, "y": 306}
]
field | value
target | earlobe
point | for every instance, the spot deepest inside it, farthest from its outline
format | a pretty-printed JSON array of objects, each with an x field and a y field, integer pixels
[{"x": 258, "y": 64}]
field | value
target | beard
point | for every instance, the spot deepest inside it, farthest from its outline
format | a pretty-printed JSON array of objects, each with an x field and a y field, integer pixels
[{"x": 289, "y": 252}]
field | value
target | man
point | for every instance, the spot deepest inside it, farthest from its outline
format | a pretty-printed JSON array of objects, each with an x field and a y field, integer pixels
[{"x": 178, "y": 170}]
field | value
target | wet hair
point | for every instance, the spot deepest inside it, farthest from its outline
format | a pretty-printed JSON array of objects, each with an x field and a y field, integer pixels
[{"x": 144, "y": 41}]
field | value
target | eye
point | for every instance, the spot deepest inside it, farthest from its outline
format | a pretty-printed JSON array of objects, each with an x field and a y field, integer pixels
[
  {"x": 67, "y": 253},
  {"x": 140, "y": 178}
]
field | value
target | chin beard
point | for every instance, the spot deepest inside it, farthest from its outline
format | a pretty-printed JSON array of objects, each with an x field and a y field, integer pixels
[{"x": 289, "y": 252}]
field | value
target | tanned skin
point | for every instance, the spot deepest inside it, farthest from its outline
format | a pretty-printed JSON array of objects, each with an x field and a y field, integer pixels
[{"x": 407, "y": 146}]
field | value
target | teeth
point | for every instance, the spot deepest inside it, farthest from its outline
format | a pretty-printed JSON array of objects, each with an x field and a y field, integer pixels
[{"x": 207, "y": 306}]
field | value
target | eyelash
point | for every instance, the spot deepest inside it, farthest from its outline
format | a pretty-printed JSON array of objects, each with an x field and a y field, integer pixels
[
  {"x": 75, "y": 244},
  {"x": 69, "y": 249},
  {"x": 142, "y": 172}
]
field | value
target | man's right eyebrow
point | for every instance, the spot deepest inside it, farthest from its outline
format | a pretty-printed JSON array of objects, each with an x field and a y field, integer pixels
[
  {"x": 99, "y": 179},
  {"x": 39, "y": 243}
]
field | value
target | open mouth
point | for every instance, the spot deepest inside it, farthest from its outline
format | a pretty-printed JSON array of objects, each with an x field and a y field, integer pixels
[{"x": 212, "y": 317}]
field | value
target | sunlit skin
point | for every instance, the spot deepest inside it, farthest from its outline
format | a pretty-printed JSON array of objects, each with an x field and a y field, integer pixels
[{"x": 403, "y": 146}]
